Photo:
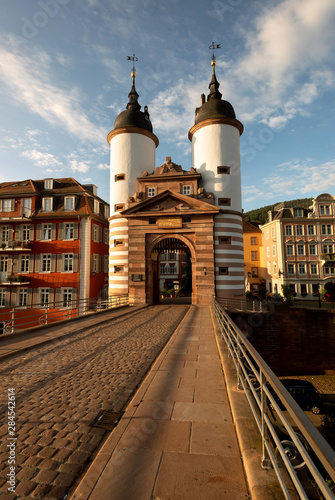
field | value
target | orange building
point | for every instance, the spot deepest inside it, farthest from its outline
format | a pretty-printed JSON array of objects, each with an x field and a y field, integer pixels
[
  {"x": 254, "y": 271},
  {"x": 53, "y": 243}
]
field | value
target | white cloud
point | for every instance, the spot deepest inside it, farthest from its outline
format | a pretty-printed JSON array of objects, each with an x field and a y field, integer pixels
[
  {"x": 78, "y": 166},
  {"x": 29, "y": 79},
  {"x": 41, "y": 159},
  {"x": 103, "y": 166}
]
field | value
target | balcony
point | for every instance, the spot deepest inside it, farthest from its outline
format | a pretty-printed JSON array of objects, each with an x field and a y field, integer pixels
[
  {"x": 13, "y": 279},
  {"x": 327, "y": 257},
  {"x": 11, "y": 245}
]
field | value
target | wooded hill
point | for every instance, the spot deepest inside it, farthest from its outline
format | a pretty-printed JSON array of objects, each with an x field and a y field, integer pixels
[{"x": 261, "y": 214}]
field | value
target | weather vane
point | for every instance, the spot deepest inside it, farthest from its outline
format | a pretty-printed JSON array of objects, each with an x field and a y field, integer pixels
[
  {"x": 133, "y": 58},
  {"x": 213, "y": 47}
]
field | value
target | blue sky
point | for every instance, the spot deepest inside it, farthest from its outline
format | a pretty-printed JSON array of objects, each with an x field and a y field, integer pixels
[{"x": 64, "y": 77}]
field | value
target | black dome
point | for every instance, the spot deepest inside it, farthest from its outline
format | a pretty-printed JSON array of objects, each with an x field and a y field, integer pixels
[
  {"x": 133, "y": 118},
  {"x": 216, "y": 108}
]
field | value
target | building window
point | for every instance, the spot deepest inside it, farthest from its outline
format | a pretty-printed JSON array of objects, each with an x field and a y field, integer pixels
[
  {"x": 223, "y": 170},
  {"x": 269, "y": 267},
  {"x": 289, "y": 249},
  {"x": 68, "y": 262},
  {"x": 5, "y": 232},
  {"x": 329, "y": 269},
  {"x": 162, "y": 268},
  {"x": 299, "y": 230},
  {"x": 314, "y": 269},
  {"x": 118, "y": 243},
  {"x": 67, "y": 297},
  {"x": 118, "y": 269},
  {"x": 2, "y": 297},
  {"x": 268, "y": 251},
  {"x": 267, "y": 234},
  {"x": 45, "y": 296},
  {"x": 226, "y": 240},
  {"x": 327, "y": 248},
  {"x": 301, "y": 250},
  {"x": 8, "y": 205},
  {"x": 302, "y": 268},
  {"x": 96, "y": 233},
  {"x": 152, "y": 221},
  {"x": 120, "y": 177},
  {"x": 23, "y": 297},
  {"x": 105, "y": 263},
  {"x": 151, "y": 192},
  {"x": 46, "y": 263},
  {"x": 273, "y": 251},
  {"x": 26, "y": 207},
  {"x": 46, "y": 232},
  {"x": 326, "y": 229},
  {"x": 69, "y": 203},
  {"x": 106, "y": 210},
  {"x": 273, "y": 232},
  {"x": 254, "y": 240},
  {"x": 118, "y": 207},
  {"x": 187, "y": 190},
  {"x": 187, "y": 218},
  {"x": 224, "y": 271},
  {"x": 303, "y": 289},
  {"x": 254, "y": 272},
  {"x": 26, "y": 233},
  {"x": 298, "y": 212},
  {"x": 311, "y": 229},
  {"x": 288, "y": 230},
  {"x": 274, "y": 268},
  {"x": 69, "y": 231},
  {"x": 312, "y": 249},
  {"x": 24, "y": 268},
  {"x": 290, "y": 269},
  {"x": 172, "y": 269},
  {"x": 226, "y": 202},
  {"x": 95, "y": 263},
  {"x": 254, "y": 255},
  {"x": 325, "y": 209},
  {"x": 48, "y": 183},
  {"x": 47, "y": 204},
  {"x": 3, "y": 263},
  {"x": 106, "y": 236}
]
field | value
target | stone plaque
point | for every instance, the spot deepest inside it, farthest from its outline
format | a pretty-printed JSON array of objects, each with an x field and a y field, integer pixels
[
  {"x": 137, "y": 277},
  {"x": 170, "y": 222}
]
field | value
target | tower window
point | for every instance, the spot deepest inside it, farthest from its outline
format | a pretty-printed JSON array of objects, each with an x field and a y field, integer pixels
[
  {"x": 187, "y": 190},
  {"x": 151, "y": 192},
  {"x": 118, "y": 243},
  {"x": 223, "y": 170},
  {"x": 120, "y": 177},
  {"x": 118, "y": 269},
  {"x": 224, "y": 202},
  {"x": 224, "y": 271},
  {"x": 187, "y": 218},
  {"x": 152, "y": 221},
  {"x": 226, "y": 240},
  {"x": 118, "y": 207}
]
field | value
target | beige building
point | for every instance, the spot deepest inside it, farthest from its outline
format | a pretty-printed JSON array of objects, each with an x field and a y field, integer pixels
[{"x": 299, "y": 246}]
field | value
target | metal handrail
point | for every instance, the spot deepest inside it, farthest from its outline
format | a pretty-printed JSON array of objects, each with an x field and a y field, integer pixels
[
  {"x": 262, "y": 389},
  {"x": 18, "y": 318}
]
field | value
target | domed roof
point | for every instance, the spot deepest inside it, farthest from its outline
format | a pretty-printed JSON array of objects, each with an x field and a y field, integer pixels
[
  {"x": 132, "y": 116},
  {"x": 215, "y": 107}
]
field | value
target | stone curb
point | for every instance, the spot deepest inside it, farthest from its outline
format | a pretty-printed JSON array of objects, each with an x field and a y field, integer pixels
[{"x": 263, "y": 484}]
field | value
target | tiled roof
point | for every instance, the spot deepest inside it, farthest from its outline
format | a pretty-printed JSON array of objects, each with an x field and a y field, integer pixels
[{"x": 250, "y": 227}]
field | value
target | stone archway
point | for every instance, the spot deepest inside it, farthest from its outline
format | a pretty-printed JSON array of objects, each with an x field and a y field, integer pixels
[{"x": 160, "y": 245}]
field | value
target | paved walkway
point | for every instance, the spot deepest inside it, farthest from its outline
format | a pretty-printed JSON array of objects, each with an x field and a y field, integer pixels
[{"x": 176, "y": 439}]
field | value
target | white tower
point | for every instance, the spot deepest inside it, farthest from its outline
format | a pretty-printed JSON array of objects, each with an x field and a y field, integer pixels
[
  {"x": 132, "y": 151},
  {"x": 215, "y": 140}
]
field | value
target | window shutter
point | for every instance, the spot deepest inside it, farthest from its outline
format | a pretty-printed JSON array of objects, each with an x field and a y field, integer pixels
[
  {"x": 99, "y": 234},
  {"x": 31, "y": 232},
  {"x": 16, "y": 268},
  {"x": 53, "y": 231},
  {"x": 29, "y": 296},
  {"x": 18, "y": 233},
  {"x": 92, "y": 263},
  {"x": 58, "y": 297},
  {"x": 10, "y": 264},
  {"x": 10, "y": 234},
  {"x": 39, "y": 232},
  {"x": 36, "y": 297},
  {"x": 0, "y": 205},
  {"x": 60, "y": 263},
  {"x": 37, "y": 264},
  {"x": 61, "y": 231},
  {"x": 51, "y": 297},
  {"x": 31, "y": 263},
  {"x": 99, "y": 263},
  {"x": 53, "y": 263},
  {"x": 74, "y": 298},
  {"x": 93, "y": 232},
  {"x": 75, "y": 230},
  {"x": 12, "y": 205},
  {"x": 7, "y": 298},
  {"x": 75, "y": 263},
  {"x": 14, "y": 298}
]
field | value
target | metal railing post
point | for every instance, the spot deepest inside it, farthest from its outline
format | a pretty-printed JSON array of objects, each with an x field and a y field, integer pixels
[
  {"x": 266, "y": 461},
  {"x": 46, "y": 315}
]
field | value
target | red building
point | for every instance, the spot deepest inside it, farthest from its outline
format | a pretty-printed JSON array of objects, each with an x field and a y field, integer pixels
[{"x": 53, "y": 243}]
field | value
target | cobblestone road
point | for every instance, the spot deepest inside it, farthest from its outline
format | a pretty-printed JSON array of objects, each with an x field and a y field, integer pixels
[{"x": 60, "y": 389}]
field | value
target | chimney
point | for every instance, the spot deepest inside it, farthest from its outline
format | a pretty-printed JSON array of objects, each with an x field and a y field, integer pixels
[{"x": 203, "y": 99}]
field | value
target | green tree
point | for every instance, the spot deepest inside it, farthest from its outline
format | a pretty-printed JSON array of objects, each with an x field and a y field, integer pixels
[{"x": 287, "y": 292}]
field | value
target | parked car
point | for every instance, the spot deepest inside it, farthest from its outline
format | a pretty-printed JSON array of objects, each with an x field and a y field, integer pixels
[{"x": 304, "y": 393}]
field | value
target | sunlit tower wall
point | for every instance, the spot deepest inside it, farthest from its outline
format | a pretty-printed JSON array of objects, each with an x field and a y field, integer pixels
[
  {"x": 132, "y": 151},
  {"x": 215, "y": 139}
]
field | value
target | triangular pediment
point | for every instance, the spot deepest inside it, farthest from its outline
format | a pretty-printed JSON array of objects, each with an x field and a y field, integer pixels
[{"x": 169, "y": 202}]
